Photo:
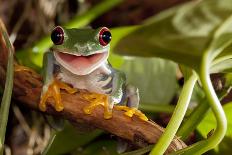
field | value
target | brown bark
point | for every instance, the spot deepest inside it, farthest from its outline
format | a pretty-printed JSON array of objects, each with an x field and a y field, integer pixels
[{"x": 27, "y": 88}]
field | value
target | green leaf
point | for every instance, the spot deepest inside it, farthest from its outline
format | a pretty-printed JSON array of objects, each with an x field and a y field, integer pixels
[
  {"x": 70, "y": 139},
  {"x": 224, "y": 66},
  {"x": 139, "y": 151},
  {"x": 226, "y": 52},
  {"x": 155, "y": 78},
  {"x": 209, "y": 122},
  {"x": 115, "y": 60},
  {"x": 225, "y": 146},
  {"x": 222, "y": 37},
  {"x": 103, "y": 147},
  {"x": 181, "y": 34},
  {"x": 223, "y": 62}
]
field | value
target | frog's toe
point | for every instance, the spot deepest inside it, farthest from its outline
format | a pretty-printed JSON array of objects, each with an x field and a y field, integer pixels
[
  {"x": 96, "y": 100},
  {"x": 108, "y": 106},
  {"x": 131, "y": 111},
  {"x": 43, "y": 99},
  {"x": 66, "y": 87},
  {"x": 54, "y": 91}
]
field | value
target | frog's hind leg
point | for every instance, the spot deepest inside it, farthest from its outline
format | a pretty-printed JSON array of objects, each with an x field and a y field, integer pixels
[
  {"x": 132, "y": 95},
  {"x": 132, "y": 103}
]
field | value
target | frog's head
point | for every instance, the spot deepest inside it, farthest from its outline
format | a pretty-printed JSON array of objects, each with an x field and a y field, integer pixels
[{"x": 81, "y": 51}]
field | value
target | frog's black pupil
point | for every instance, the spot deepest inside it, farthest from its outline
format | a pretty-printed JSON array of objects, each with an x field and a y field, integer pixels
[
  {"x": 106, "y": 36},
  {"x": 57, "y": 36}
]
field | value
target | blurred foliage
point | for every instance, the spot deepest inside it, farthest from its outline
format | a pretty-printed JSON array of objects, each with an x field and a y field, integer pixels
[
  {"x": 101, "y": 147},
  {"x": 209, "y": 123},
  {"x": 70, "y": 138},
  {"x": 155, "y": 78},
  {"x": 1, "y": 91}
]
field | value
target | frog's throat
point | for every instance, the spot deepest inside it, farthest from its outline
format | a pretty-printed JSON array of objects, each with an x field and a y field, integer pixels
[{"x": 81, "y": 65}]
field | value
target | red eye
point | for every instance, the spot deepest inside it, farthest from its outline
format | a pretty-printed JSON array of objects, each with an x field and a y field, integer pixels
[
  {"x": 57, "y": 35},
  {"x": 104, "y": 36}
]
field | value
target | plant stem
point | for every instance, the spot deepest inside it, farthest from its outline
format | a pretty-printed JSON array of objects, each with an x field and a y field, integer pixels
[
  {"x": 177, "y": 117},
  {"x": 6, "y": 99},
  {"x": 50, "y": 141},
  {"x": 205, "y": 145},
  {"x": 193, "y": 120}
]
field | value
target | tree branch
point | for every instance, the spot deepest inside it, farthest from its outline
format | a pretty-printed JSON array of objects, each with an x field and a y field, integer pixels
[{"x": 27, "y": 89}]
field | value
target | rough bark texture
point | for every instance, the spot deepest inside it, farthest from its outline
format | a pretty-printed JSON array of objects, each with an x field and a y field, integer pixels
[{"x": 27, "y": 88}]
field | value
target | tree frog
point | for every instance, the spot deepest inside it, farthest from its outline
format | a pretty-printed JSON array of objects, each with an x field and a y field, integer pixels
[{"x": 78, "y": 60}]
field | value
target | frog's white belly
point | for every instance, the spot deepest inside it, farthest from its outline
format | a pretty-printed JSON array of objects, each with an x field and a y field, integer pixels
[{"x": 90, "y": 82}]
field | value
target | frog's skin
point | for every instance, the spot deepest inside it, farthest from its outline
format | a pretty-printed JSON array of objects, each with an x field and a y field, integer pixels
[{"x": 79, "y": 58}]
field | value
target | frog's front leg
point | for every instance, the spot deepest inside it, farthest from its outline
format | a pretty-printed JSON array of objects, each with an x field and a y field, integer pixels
[
  {"x": 52, "y": 86},
  {"x": 132, "y": 97},
  {"x": 103, "y": 83},
  {"x": 113, "y": 94},
  {"x": 117, "y": 92},
  {"x": 110, "y": 87}
]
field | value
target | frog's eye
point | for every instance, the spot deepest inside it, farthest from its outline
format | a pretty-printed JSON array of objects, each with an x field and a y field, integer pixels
[
  {"x": 57, "y": 35},
  {"x": 104, "y": 36}
]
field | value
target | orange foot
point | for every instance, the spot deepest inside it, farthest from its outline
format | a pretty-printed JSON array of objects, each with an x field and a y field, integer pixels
[
  {"x": 96, "y": 100},
  {"x": 54, "y": 91},
  {"x": 131, "y": 111}
]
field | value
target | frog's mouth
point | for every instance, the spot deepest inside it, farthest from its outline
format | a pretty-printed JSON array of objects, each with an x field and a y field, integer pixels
[{"x": 79, "y": 64}]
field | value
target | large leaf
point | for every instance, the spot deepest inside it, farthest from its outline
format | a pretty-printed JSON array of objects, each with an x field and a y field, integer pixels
[
  {"x": 115, "y": 60},
  {"x": 181, "y": 34},
  {"x": 155, "y": 78},
  {"x": 223, "y": 62},
  {"x": 222, "y": 38},
  {"x": 226, "y": 52},
  {"x": 209, "y": 122}
]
